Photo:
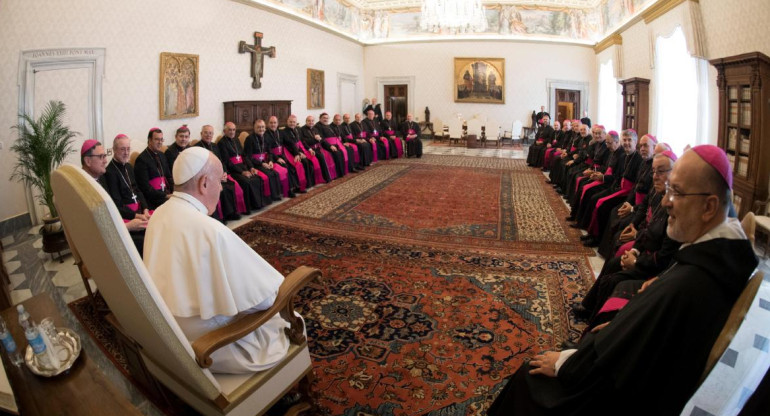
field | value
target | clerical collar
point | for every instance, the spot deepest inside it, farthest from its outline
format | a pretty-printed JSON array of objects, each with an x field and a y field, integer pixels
[
  {"x": 192, "y": 201},
  {"x": 730, "y": 229}
]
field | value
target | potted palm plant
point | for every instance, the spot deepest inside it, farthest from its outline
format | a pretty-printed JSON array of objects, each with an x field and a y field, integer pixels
[{"x": 41, "y": 147}]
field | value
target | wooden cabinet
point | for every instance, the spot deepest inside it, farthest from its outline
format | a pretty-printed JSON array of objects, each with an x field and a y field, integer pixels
[
  {"x": 636, "y": 104},
  {"x": 744, "y": 125},
  {"x": 244, "y": 113}
]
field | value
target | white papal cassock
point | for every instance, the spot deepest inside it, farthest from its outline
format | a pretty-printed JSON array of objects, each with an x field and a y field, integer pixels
[{"x": 207, "y": 274}]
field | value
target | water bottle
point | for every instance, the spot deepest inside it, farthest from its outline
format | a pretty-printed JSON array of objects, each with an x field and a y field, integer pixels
[
  {"x": 9, "y": 344},
  {"x": 24, "y": 319},
  {"x": 34, "y": 338}
]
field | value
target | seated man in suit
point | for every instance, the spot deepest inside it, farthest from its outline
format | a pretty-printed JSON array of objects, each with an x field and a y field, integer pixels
[{"x": 206, "y": 274}]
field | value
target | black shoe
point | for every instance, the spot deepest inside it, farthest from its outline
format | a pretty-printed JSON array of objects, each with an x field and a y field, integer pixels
[
  {"x": 292, "y": 195},
  {"x": 548, "y": 181},
  {"x": 591, "y": 242},
  {"x": 558, "y": 189},
  {"x": 301, "y": 191},
  {"x": 574, "y": 226},
  {"x": 570, "y": 218},
  {"x": 276, "y": 198},
  {"x": 581, "y": 312},
  {"x": 568, "y": 345},
  {"x": 586, "y": 237},
  {"x": 233, "y": 217}
]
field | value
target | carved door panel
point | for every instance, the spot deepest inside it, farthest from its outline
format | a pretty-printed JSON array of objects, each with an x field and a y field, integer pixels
[
  {"x": 395, "y": 101},
  {"x": 567, "y": 105}
]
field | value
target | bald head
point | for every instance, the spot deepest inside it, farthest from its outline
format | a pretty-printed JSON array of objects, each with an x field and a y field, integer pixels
[{"x": 696, "y": 199}]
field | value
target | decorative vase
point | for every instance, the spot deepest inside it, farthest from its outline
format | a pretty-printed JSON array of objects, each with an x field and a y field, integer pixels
[{"x": 54, "y": 240}]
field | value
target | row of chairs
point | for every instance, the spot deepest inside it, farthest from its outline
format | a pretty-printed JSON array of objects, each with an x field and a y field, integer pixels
[{"x": 494, "y": 132}]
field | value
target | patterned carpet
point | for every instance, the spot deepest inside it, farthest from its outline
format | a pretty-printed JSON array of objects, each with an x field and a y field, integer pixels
[
  {"x": 406, "y": 330},
  {"x": 443, "y": 201},
  {"x": 441, "y": 275}
]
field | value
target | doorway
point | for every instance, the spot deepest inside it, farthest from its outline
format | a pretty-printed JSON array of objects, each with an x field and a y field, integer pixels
[
  {"x": 567, "y": 104},
  {"x": 396, "y": 99}
]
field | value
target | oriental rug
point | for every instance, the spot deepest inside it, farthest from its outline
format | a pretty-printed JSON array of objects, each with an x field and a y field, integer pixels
[
  {"x": 451, "y": 202},
  {"x": 403, "y": 329}
]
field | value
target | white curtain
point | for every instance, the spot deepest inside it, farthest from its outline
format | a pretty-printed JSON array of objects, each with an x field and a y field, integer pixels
[
  {"x": 609, "y": 97},
  {"x": 681, "y": 99}
]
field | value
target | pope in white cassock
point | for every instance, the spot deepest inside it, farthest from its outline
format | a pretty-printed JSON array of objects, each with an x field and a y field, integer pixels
[{"x": 206, "y": 273}]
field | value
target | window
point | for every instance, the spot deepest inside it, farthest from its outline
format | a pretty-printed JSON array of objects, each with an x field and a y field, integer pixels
[
  {"x": 678, "y": 98},
  {"x": 609, "y": 97}
]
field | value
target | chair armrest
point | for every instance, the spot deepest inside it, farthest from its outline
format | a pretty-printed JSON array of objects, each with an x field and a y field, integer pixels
[{"x": 245, "y": 323}]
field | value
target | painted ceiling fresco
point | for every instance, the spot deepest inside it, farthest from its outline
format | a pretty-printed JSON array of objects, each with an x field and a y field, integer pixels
[{"x": 386, "y": 21}]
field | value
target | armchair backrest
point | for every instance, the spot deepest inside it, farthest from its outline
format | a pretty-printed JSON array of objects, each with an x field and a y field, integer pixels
[{"x": 96, "y": 230}]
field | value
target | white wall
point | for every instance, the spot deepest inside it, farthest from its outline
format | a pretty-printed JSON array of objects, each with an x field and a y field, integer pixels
[
  {"x": 527, "y": 67},
  {"x": 134, "y": 34}
]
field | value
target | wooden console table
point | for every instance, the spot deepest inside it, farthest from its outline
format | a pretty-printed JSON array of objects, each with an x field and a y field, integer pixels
[
  {"x": 245, "y": 113},
  {"x": 82, "y": 390}
]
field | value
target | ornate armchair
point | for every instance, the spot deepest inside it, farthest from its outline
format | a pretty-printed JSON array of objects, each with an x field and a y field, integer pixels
[{"x": 96, "y": 229}]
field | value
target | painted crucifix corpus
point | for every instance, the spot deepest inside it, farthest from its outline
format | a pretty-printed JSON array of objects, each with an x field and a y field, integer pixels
[{"x": 257, "y": 62}]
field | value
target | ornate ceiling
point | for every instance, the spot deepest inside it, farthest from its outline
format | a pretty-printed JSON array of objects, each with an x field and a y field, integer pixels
[{"x": 582, "y": 22}]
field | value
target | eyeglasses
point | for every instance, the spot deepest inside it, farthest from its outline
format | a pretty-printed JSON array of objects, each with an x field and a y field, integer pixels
[
  {"x": 101, "y": 156},
  {"x": 671, "y": 194},
  {"x": 660, "y": 172}
]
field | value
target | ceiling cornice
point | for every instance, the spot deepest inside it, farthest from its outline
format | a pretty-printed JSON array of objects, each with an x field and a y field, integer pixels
[
  {"x": 614, "y": 39},
  {"x": 660, "y": 8}
]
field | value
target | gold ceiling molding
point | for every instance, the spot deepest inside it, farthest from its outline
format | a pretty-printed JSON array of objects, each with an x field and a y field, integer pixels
[
  {"x": 613, "y": 39},
  {"x": 660, "y": 8}
]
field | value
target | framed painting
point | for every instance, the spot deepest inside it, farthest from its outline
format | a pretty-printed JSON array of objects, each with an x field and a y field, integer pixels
[
  {"x": 315, "y": 89},
  {"x": 178, "y": 86},
  {"x": 479, "y": 80}
]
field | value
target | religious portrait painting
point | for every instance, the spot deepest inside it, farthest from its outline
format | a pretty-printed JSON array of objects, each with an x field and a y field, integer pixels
[
  {"x": 479, "y": 80},
  {"x": 315, "y": 89},
  {"x": 178, "y": 86}
]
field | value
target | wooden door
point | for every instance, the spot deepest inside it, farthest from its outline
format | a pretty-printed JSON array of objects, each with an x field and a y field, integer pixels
[
  {"x": 567, "y": 105},
  {"x": 395, "y": 101}
]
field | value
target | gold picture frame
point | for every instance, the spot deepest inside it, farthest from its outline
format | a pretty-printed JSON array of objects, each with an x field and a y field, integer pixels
[
  {"x": 315, "y": 89},
  {"x": 178, "y": 86},
  {"x": 479, "y": 80}
]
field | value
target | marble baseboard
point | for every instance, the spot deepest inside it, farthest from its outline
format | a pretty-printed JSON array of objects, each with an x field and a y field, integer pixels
[{"x": 14, "y": 224}]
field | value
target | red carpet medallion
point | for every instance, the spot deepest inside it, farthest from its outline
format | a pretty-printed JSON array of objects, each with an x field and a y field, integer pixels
[{"x": 442, "y": 275}]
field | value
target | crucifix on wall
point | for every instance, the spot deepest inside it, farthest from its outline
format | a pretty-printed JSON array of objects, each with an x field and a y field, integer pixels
[{"x": 257, "y": 61}]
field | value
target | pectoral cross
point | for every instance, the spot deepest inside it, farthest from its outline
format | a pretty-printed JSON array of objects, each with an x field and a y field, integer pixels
[
  {"x": 163, "y": 184},
  {"x": 133, "y": 196},
  {"x": 257, "y": 62}
]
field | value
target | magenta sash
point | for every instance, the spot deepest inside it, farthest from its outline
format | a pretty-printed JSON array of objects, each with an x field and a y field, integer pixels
[
  {"x": 354, "y": 147},
  {"x": 397, "y": 141},
  {"x": 316, "y": 164},
  {"x": 628, "y": 245},
  {"x": 589, "y": 161},
  {"x": 608, "y": 171},
  {"x": 134, "y": 206},
  {"x": 409, "y": 133},
  {"x": 265, "y": 183},
  {"x": 159, "y": 183},
  {"x": 329, "y": 164},
  {"x": 548, "y": 157},
  {"x": 613, "y": 304},
  {"x": 278, "y": 150},
  {"x": 625, "y": 189},
  {"x": 639, "y": 198},
  {"x": 587, "y": 187},
  {"x": 283, "y": 173},
  {"x": 335, "y": 141},
  {"x": 572, "y": 149},
  {"x": 240, "y": 202},
  {"x": 384, "y": 143},
  {"x": 260, "y": 157},
  {"x": 219, "y": 210},
  {"x": 236, "y": 160},
  {"x": 298, "y": 167},
  {"x": 374, "y": 151}
]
